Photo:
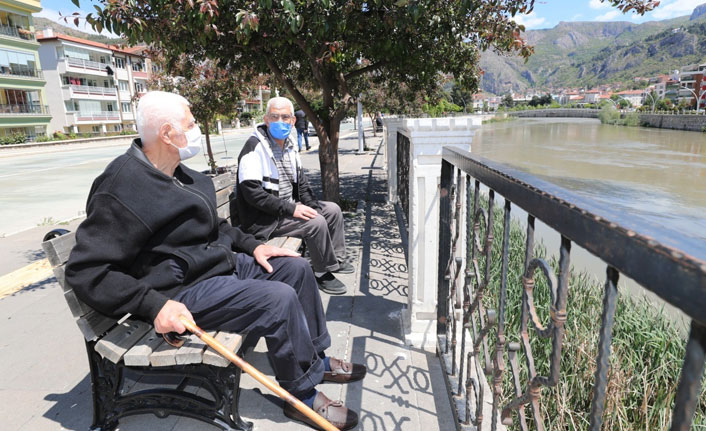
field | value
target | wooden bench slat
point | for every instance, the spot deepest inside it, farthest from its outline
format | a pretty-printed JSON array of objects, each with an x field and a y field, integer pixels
[
  {"x": 139, "y": 354},
  {"x": 163, "y": 355},
  {"x": 59, "y": 274},
  {"x": 224, "y": 212},
  {"x": 77, "y": 307},
  {"x": 224, "y": 180},
  {"x": 121, "y": 338},
  {"x": 223, "y": 196},
  {"x": 192, "y": 350},
  {"x": 93, "y": 325},
  {"x": 292, "y": 243},
  {"x": 59, "y": 248},
  {"x": 277, "y": 241},
  {"x": 231, "y": 341}
]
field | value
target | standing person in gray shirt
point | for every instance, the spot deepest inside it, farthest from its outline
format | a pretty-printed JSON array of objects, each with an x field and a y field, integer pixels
[{"x": 274, "y": 197}]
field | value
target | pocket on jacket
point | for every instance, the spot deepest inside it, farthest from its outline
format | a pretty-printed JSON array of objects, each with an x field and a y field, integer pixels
[{"x": 180, "y": 265}]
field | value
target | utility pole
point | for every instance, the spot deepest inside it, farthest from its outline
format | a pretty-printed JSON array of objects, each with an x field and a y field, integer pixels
[{"x": 361, "y": 135}]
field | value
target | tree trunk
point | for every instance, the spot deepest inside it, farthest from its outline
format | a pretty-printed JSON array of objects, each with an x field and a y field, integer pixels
[
  {"x": 328, "y": 159},
  {"x": 211, "y": 160},
  {"x": 372, "y": 119}
]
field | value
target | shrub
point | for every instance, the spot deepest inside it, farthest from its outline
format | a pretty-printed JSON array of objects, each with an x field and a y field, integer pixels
[
  {"x": 17, "y": 138},
  {"x": 609, "y": 115}
]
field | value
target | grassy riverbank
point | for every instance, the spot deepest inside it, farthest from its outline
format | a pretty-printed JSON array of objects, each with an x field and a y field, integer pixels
[{"x": 647, "y": 349}]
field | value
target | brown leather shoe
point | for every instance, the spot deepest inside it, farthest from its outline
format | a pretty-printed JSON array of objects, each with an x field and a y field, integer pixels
[
  {"x": 344, "y": 372},
  {"x": 333, "y": 411}
]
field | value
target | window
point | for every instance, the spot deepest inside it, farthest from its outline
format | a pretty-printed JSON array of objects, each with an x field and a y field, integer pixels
[
  {"x": 96, "y": 129},
  {"x": 123, "y": 85},
  {"x": 120, "y": 62},
  {"x": 126, "y": 107},
  {"x": 17, "y": 63},
  {"x": 59, "y": 52},
  {"x": 139, "y": 87},
  {"x": 70, "y": 80},
  {"x": 137, "y": 66},
  {"x": 70, "y": 107}
]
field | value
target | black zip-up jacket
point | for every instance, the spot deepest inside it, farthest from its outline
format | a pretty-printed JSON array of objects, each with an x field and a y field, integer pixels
[
  {"x": 148, "y": 236},
  {"x": 259, "y": 207}
]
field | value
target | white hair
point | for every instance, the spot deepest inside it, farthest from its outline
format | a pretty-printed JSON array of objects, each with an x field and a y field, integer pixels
[
  {"x": 279, "y": 102},
  {"x": 155, "y": 109}
]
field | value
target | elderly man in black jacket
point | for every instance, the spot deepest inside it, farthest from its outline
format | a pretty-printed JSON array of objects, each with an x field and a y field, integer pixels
[
  {"x": 152, "y": 245},
  {"x": 274, "y": 197}
]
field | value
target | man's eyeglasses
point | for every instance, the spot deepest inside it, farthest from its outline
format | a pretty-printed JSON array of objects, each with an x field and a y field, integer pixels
[{"x": 283, "y": 117}]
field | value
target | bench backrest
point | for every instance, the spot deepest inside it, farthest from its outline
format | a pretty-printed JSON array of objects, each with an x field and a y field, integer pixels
[{"x": 92, "y": 323}]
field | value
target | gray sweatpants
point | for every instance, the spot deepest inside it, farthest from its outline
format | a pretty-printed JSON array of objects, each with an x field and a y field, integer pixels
[{"x": 323, "y": 235}]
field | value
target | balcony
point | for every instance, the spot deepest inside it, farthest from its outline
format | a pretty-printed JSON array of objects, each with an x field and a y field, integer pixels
[
  {"x": 88, "y": 90},
  {"x": 86, "y": 65},
  {"x": 17, "y": 109},
  {"x": 96, "y": 116},
  {"x": 21, "y": 72},
  {"x": 18, "y": 32}
]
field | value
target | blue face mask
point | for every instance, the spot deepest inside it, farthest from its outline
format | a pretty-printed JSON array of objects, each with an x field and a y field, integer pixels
[{"x": 280, "y": 129}]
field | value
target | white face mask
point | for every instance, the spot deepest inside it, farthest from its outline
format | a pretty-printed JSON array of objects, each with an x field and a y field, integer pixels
[{"x": 193, "y": 144}]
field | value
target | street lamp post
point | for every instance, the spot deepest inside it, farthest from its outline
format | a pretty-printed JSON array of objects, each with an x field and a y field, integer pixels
[
  {"x": 654, "y": 101},
  {"x": 698, "y": 96}
]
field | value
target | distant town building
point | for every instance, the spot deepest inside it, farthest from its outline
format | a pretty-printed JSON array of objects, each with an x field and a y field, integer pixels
[
  {"x": 23, "y": 103},
  {"x": 91, "y": 86},
  {"x": 635, "y": 97}
]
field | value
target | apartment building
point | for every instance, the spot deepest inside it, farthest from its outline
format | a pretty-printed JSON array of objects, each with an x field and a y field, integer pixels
[
  {"x": 91, "y": 87},
  {"x": 23, "y": 103}
]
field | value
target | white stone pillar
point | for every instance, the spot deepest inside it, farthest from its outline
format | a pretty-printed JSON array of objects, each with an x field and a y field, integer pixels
[
  {"x": 220, "y": 127},
  {"x": 427, "y": 138},
  {"x": 104, "y": 129}
]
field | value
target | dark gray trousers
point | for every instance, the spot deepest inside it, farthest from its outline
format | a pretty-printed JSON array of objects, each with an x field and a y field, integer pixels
[
  {"x": 324, "y": 236},
  {"x": 284, "y": 307}
]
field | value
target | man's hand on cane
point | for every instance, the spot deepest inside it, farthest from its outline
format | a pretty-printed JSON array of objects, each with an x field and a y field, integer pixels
[{"x": 168, "y": 319}]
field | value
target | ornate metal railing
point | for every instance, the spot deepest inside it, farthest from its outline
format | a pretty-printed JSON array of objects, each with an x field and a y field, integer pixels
[
  {"x": 476, "y": 348},
  {"x": 403, "y": 160}
]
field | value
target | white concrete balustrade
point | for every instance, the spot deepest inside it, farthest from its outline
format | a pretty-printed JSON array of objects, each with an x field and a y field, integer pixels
[{"x": 427, "y": 137}]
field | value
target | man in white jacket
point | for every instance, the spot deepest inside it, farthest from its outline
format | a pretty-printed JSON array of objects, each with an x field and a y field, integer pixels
[{"x": 274, "y": 197}]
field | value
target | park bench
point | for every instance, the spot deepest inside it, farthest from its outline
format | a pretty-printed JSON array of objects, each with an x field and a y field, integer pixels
[{"x": 206, "y": 386}]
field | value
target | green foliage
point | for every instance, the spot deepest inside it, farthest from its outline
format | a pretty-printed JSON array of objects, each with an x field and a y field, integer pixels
[
  {"x": 441, "y": 109},
  {"x": 610, "y": 115},
  {"x": 17, "y": 138},
  {"x": 333, "y": 47},
  {"x": 507, "y": 101}
]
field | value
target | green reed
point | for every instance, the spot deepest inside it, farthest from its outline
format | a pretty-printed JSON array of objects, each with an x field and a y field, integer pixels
[{"x": 647, "y": 348}]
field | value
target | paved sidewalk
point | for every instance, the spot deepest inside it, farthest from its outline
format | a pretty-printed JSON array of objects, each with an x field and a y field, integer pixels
[{"x": 45, "y": 383}]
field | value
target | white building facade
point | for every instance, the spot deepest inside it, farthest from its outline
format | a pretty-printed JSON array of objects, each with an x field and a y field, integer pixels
[{"x": 90, "y": 86}]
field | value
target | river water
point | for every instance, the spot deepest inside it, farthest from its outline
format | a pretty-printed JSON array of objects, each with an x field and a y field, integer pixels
[{"x": 655, "y": 174}]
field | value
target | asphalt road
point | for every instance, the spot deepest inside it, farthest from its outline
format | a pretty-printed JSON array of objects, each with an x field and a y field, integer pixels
[{"x": 52, "y": 186}]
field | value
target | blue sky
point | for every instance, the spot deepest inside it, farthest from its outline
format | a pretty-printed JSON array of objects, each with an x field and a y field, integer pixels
[{"x": 547, "y": 13}]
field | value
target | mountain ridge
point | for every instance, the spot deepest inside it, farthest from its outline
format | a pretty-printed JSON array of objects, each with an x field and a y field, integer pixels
[{"x": 586, "y": 53}]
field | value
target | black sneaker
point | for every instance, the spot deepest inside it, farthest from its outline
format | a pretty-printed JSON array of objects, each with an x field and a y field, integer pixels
[
  {"x": 345, "y": 267},
  {"x": 330, "y": 284}
]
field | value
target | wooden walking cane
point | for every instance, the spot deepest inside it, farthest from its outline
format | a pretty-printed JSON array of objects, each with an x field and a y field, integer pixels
[{"x": 257, "y": 375}]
